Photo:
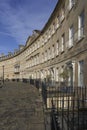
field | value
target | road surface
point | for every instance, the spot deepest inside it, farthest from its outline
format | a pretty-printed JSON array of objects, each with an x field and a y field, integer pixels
[{"x": 21, "y": 107}]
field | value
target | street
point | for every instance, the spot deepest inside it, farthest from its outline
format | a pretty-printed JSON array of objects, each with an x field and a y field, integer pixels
[{"x": 21, "y": 107}]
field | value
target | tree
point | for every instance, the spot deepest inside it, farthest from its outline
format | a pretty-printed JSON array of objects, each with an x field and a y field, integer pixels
[
  {"x": 65, "y": 75},
  {"x": 48, "y": 78}
]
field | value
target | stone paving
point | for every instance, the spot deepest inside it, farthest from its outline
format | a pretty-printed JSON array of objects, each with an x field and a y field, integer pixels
[{"x": 21, "y": 107}]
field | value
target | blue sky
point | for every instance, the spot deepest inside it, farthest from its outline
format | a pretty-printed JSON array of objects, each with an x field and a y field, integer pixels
[{"x": 18, "y": 18}]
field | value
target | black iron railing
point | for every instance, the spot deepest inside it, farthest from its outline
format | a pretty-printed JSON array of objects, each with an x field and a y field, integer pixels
[{"x": 68, "y": 106}]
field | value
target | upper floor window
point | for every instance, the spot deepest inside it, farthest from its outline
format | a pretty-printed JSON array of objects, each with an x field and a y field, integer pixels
[
  {"x": 81, "y": 25},
  {"x": 71, "y": 36},
  {"x": 35, "y": 46},
  {"x": 45, "y": 37},
  {"x": 38, "y": 44},
  {"x": 58, "y": 21},
  {"x": 42, "y": 57},
  {"x": 43, "y": 40},
  {"x": 53, "y": 51},
  {"x": 46, "y": 56},
  {"x": 49, "y": 53},
  {"x": 38, "y": 61},
  {"x": 30, "y": 62},
  {"x": 34, "y": 61},
  {"x": 71, "y": 3},
  {"x": 16, "y": 68},
  {"x": 49, "y": 33},
  {"x": 54, "y": 24},
  {"x": 53, "y": 28},
  {"x": 57, "y": 47},
  {"x": 30, "y": 50},
  {"x": 62, "y": 13},
  {"x": 63, "y": 42}
]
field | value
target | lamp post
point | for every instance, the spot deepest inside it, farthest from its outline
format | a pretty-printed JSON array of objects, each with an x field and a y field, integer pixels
[{"x": 3, "y": 73}]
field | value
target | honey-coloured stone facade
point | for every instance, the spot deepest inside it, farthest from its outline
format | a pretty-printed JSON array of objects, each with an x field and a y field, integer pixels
[{"x": 62, "y": 43}]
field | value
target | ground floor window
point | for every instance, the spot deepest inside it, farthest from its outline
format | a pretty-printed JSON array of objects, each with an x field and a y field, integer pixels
[{"x": 81, "y": 73}]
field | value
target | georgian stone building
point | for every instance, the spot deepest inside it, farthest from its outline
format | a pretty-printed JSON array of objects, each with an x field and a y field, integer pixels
[{"x": 62, "y": 43}]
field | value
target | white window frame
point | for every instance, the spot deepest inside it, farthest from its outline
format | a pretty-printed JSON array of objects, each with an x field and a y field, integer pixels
[
  {"x": 62, "y": 14},
  {"x": 58, "y": 21},
  {"x": 49, "y": 33},
  {"x": 63, "y": 42},
  {"x": 71, "y": 36},
  {"x": 71, "y": 4},
  {"x": 57, "y": 47},
  {"x": 81, "y": 25},
  {"x": 53, "y": 28}
]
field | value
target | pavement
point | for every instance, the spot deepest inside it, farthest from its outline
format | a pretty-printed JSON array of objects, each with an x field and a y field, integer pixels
[{"x": 21, "y": 107}]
